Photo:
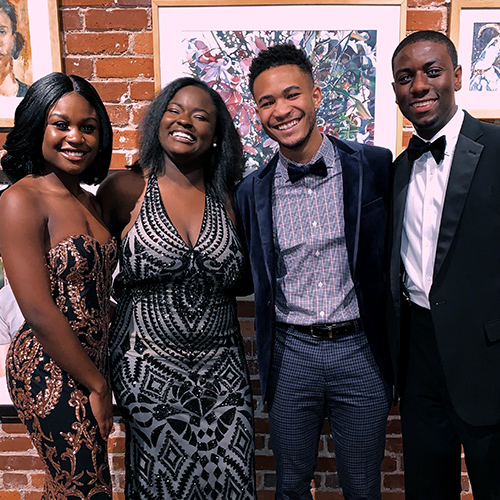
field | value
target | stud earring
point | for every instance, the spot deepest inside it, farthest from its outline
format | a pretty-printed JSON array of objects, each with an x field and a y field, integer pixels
[{"x": 214, "y": 145}]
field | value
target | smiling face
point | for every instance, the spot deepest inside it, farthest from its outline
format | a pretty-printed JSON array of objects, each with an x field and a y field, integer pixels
[
  {"x": 187, "y": 128},
  {"x": 71, "y": 137},
  {"x": 425, "y": 83},
  {"x": 287, "y": 100},
  {"x": 7, "y": 39}
]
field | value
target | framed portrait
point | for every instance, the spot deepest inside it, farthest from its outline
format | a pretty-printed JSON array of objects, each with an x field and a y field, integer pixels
[
  {"x": 29, "y": 49},
  {"x": 475, "y": 30},
  {"x": 350, "y": 43}
]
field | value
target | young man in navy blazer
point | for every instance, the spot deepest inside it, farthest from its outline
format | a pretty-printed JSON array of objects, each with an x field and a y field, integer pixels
[
  {"x": 445, "y": 279},
  {"x": 314, "y": 221}
]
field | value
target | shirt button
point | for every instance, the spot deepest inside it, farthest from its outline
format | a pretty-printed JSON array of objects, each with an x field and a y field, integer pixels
[
  {"x": 316, "y": 253},
  {"x": 322, "y": 313},
  {"x": 320, "y": 284},
  {"x": 309, "y": 191},
  {"x": 315, "y": 224},
  {"x": 429, "y": 278}
]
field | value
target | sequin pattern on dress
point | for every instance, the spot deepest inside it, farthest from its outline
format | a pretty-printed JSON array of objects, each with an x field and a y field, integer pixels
[
  {"x": 53, "y": 406},
  {"x": 179, "y": 370}
]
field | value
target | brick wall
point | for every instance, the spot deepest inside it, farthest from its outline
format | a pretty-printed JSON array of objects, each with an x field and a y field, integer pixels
[{"x": 110, "y": 43}]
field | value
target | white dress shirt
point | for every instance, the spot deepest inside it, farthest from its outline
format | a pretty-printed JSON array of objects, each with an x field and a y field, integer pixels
[
  {"x": 11, "y": 318},
  {"x": 422, "y": 217}
]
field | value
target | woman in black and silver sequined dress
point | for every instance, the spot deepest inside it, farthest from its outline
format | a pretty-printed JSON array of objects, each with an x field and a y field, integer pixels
[{"x": 179, "y": 371}]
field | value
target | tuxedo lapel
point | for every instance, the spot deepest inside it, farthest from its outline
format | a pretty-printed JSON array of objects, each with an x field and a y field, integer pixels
[
  {"x": 465, "y": 160},
  {"x": 263, "y": 186}
]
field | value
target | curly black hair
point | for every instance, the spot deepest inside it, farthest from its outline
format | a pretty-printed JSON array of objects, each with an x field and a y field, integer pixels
[
  {"x": 427, "y": 36},
  {"x": 24, "y": 142},
  {"x": 226, "y": 163},
  {"x": 279, "y": 55}
]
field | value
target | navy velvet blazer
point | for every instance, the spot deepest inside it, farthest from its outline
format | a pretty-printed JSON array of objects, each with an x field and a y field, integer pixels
[
  {"x": 465, "y": 294},
  {"x": 365, "y": 173}
]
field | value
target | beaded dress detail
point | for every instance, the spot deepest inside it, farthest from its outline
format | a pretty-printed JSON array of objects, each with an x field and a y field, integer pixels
[
  {"x": 53, "y": 406},
  {"x": 178, "y": 366}
]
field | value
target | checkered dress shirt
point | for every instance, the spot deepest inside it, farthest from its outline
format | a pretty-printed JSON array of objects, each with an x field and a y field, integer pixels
[{"x": 314, "y": 283}]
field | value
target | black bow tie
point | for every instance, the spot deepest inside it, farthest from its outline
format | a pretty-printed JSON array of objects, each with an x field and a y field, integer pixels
[
  {"x": 417, "y": 147},
  {"x": 295, "y": 173}
]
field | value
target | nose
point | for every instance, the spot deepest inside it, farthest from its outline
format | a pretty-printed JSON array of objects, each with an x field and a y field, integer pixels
[
  {"x": 185, "y": 120},
  {"x": 420, "y": 83},
  {"x": 75, "y": 135},
  {"x": 281, "y": 109}
]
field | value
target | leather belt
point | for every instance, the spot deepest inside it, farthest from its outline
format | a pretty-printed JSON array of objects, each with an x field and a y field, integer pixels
[{"x": 328, "y": 331}]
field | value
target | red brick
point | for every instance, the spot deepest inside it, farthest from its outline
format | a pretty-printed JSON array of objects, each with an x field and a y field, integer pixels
[
  {"x": 118, "y": 495},
  {"x": 425, "y": 3},
  {"x": 10, "y": 495},
  {"x": 247, "y": 329},
  {"x": 394, "y": 481},
  {"x": 394, "y": 444},
  {"x": 14, "y": 428},
  {"x": 142, "y": 91},
  {"x": 326, "y": 465},
  {"x": 118, "y": 114},
  {"x": 326, "y": 495},
  {"x": 78, "y": 66},
  {"x": 425, "y": 19},
  {"x": 32, "y": 495},
  {"x": 264, "y": 462},
  {"x": 86, "y": 3},
  {"x": 394, "y": 426},
  {"x": 392, "y": 496},
  {"x": 115, "y": 19},
  {"x": 124, "y": 67},
  {"x": 124, "y": 139},
  {"x": 15, "y": 443},
  {"x": 20, "y": 462},
  {"x": 116, "y": 445},
  {"x": 71, "y": 20},
  {"x": 96, "y": 43},
  {"x": 246, "y": 308},
  {"x": 138, "y": 112},
  {"x": 118, "y": 161},
  {"x": 37, "y": 480},
  {"x": 265, "y": 494},
  {"x": 389, "y": 464},
  {"x": 14, "y": 480},
  {"x": 143, "y": 43},
  {"x": 118, "y": 462},
  {"x": 111, "y": 91}
]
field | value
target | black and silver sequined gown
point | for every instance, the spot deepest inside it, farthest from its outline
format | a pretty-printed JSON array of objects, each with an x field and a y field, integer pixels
[
  {"x": 52, "y": 405},
  {"x": 179, "y": 371}
]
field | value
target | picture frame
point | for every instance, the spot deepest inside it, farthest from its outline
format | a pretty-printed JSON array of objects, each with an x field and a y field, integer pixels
[
  {"x": 215, "y": 41},
  {"x": 36, "y": 49},
  {"x": 475, "y": 31}
]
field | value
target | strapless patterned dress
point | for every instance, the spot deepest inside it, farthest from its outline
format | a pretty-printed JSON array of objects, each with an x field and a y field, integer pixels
[
  {"x": 53, "y": 406},
  {"x": 178, "y": 365}
]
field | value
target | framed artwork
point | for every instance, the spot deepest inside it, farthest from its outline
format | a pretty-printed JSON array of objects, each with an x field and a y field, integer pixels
[
  {"x": 475, "y": 30},
  {"x": 350, "y": 43},
  {"x": 29, "y": 49}
]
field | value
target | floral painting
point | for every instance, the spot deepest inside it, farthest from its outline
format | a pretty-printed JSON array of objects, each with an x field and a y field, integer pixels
[
  {"x": 485, "y": 59},
  {"x": 345, "y": 69}
]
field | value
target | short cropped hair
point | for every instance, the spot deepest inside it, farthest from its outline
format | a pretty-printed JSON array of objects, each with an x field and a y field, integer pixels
[
  {"x": 279, "y": 55},
  {"x": 226, "y": 165},
  {"x": 24, "y": 142},
  {"x": 427, "y": 36}
]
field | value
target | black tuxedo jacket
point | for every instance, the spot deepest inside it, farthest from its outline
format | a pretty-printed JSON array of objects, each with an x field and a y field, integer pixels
[
  {"x": 365, "y": 174},
  {"x": 465, "y": 294}
]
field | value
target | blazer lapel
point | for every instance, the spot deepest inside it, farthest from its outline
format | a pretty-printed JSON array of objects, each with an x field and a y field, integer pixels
[
  {"x": 352, "y": 179},
  {"x": 465, "y": 160},
  {"x": 263, "y": 186}
]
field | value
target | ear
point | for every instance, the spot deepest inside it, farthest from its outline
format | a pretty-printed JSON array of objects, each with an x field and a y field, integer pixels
[
  {"x": 395, "y": 95},
  {"x": 458, "y": 77},
  {"x": 316, "y": 95}
]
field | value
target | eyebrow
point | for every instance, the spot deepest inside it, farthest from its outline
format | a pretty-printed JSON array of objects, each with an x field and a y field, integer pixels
[
  {"x": 285, "y": 91},
  {"x": 195, "y": 109},
  {"x": 426, "y": 65},
  {"x": 62, "y": 115}
]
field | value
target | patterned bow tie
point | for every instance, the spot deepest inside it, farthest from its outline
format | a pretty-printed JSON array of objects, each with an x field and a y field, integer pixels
[
  {"x": 417, "y": 147},
  {"x": 295, "y": 173}
]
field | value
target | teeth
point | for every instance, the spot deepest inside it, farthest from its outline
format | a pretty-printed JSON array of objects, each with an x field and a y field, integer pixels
[
  {"x": 421, "y": 104},
  {"x": 79, "y": 154},
  {"x": 183, "y": 135},
  {"x": 288, "y": 125}
]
